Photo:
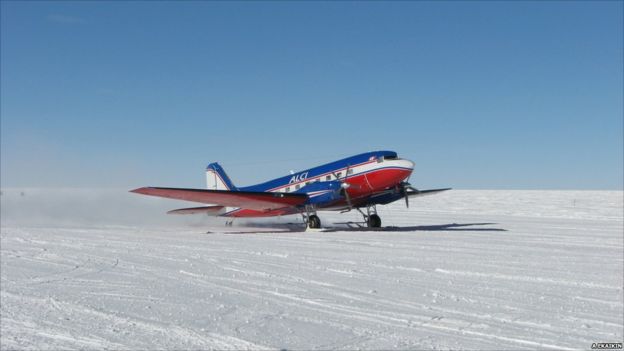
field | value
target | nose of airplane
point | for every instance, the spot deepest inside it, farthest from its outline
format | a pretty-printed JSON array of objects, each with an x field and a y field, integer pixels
[
  {"x": 391, "y": 172},
  {"x": 409, "y": 164},
  {"x": 405, "y": 164}
]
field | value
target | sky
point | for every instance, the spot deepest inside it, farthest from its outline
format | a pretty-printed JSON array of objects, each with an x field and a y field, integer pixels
[{"x": 480, "y": 95}]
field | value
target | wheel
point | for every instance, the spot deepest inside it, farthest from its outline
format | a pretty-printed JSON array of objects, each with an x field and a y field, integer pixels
[
  {"x": 374, "y": 221},
  {"x": 314, "y": 222}
]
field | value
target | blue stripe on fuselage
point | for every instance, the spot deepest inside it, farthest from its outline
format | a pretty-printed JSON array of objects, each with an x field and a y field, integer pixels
[{"x": 316, "y": 171}]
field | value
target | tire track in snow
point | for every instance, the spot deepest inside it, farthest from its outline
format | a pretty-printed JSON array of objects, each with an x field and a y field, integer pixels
[
  {"x": 378, "y": 317},
  {"x": 174, "y": 334},
  {"x": 528, "y": 279}
]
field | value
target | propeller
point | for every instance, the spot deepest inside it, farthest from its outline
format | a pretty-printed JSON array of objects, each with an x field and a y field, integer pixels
[
  {"x": 406, "y": 198},
  {"x": 344, "y": 185},
  {"x": 405, "y": 186}
]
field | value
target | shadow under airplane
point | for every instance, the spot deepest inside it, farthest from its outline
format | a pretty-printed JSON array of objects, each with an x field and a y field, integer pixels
[
  {"x": 352, "y": 226},
  {"x": 360, "y": 227}
]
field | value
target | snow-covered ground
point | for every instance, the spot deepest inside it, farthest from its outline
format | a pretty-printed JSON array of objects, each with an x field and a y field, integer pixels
[{"x": 94, "y": 269}]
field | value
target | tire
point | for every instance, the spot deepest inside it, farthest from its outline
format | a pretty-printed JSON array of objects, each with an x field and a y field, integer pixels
[
  {"x": 374, "y": 221},
  {"x": 314, "y": 222}
]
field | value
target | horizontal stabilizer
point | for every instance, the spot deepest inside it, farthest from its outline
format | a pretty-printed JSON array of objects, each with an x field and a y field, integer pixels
[
  {"x": 195, "y": 210},
  {"x": 415, "y": 192},
  {"x": 253, "y": 200}
]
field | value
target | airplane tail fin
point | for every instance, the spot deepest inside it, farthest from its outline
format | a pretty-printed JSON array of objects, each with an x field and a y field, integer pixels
[{"x": 216, "y": 179}]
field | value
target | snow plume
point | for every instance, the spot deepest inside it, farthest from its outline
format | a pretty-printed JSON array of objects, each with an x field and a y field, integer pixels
[{"x": 91, "y": 207}]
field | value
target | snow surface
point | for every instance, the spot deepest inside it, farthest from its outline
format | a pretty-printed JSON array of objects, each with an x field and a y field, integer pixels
[{"x": 97, "y": 269}]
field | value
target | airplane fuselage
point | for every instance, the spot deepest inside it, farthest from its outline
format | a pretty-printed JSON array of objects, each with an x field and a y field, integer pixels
[{"x": 368, "y": 177}]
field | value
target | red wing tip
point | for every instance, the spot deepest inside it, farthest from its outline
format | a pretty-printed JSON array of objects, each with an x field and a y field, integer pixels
[{"x": 142, "y": 190}]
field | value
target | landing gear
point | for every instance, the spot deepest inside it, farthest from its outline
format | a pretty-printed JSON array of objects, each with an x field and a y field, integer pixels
[
  {"x": 374, "y": 221},
  {"x": 370, "y": 217},
  {"x": 314, "y": 222},
  {"x": 310, "y": 217}
]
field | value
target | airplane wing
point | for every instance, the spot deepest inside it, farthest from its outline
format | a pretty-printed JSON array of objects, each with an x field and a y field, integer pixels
[
  {"x": 415, "y": 192},
  {"x": 195, "y": 210},
  {"x": 261, "y": 201}
]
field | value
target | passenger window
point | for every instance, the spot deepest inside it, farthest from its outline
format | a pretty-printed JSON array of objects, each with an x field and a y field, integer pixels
[
  {"x": 297, "y": 187},
  {"x": 350, "y": 171},
  {"x": 328, "y": 177},
  {"x": 287, "y": 189},
  {"x": 317, "y": 180}
]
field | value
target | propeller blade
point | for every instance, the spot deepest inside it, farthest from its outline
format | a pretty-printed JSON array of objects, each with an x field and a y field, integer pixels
[
  {"x": 343, "y": 181},
  {"x": 404, "y": 187},
  {"x": 344, "y": 185},
  {"x": 336, "y": 175},
  {"x": 348, "y": 197}
]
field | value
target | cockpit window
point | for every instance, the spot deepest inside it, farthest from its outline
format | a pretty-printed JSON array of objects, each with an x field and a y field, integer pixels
[{"x": 386, "y": 157}]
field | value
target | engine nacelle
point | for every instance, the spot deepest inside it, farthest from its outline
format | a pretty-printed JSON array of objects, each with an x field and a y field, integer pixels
[{"x": 322, "y": 192}]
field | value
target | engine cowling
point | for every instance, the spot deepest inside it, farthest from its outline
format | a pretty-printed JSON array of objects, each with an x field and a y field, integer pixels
[{"x": 322, "y": 192}]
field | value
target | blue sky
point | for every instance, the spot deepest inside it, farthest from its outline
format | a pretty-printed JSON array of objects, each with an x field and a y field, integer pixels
[{"x": 481, "y": 95}]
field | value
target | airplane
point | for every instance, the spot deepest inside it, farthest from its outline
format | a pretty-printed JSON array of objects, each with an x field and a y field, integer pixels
[{"x": 358, "y": 182}]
